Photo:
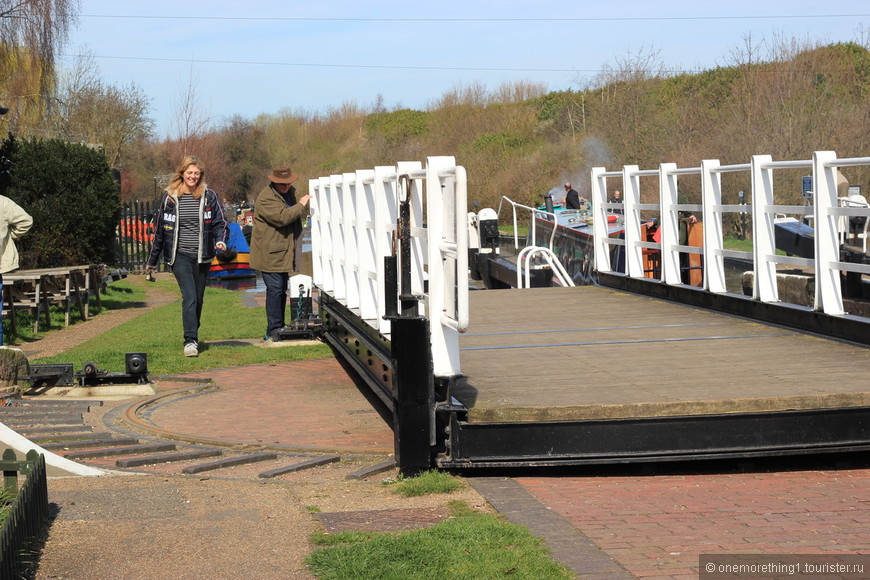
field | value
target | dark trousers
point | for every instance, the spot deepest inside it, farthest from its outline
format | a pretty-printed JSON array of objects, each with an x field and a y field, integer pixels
[
  {"x": 191, "y": 277},
  {"x": 276, "y": 299}
]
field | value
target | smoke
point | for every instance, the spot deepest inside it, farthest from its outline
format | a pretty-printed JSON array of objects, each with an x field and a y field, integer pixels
[
  {"x": 594, "y": 154},
  {"x": 558, "y": 194}
]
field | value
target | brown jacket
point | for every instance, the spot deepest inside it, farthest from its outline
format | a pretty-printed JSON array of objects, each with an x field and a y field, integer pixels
[{"x": 276, "y": 240}]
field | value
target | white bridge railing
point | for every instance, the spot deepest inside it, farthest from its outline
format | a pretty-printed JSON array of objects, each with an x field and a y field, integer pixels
[
  {"x": 826, "y": 211},
  {"x": 354, "y": 219}
]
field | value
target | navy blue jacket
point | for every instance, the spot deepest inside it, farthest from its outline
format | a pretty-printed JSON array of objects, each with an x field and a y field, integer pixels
[{"x": 212, "y": 228}]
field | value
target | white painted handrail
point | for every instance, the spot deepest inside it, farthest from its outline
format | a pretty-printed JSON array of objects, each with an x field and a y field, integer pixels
[
  {"x": 524, "y": 265},
  {"x": 825, "y": 210},
  {"x": 353, "y": 228},
  {"x": 532, "y": 211}
]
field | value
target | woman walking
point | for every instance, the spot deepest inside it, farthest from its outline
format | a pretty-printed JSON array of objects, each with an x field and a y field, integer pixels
[{"x": 190, "y": 228}]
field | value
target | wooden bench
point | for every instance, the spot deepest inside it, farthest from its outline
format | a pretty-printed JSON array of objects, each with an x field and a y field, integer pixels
[{"x": 37, "y": 289}]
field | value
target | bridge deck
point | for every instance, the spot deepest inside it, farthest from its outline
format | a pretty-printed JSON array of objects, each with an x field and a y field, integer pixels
[{"x": 553, "y": 354}]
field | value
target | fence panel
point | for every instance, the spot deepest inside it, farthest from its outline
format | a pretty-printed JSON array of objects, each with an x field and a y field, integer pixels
[
  {"x": 135, "y": 234},
  {"x": 28, "y": 514}
]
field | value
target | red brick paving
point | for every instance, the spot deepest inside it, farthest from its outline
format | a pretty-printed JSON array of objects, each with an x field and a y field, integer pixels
[
  {"x": 651, "y": 526},
  {"x": 657, "y": 526},
  {"x": 310, "y": 404}
]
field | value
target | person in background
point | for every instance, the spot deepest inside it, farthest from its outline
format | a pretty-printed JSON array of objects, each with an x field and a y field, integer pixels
[
  {"x": 616, "y": 198},
  {"x": 572, "y": 198},
  {"x": 14, "y": 223},
  {"x": 190, "y": 229},
  {"x": 276, "y": 242}
]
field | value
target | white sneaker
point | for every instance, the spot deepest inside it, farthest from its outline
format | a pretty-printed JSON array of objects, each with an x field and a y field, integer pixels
[{"x": 191, "y": 349}]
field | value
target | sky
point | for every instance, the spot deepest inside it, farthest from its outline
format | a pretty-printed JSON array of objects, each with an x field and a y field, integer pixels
[{"x": 252, "y": 57}]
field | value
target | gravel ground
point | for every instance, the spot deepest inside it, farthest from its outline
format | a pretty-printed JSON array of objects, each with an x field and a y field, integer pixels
[{"x": 155, "y": 526}]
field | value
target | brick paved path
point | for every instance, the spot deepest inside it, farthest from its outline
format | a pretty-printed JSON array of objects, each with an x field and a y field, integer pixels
[
  {"x": 657, "y": 526},
  {"x": 310, "y": 404}
]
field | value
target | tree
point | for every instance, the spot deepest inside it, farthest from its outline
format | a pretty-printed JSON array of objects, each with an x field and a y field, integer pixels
[
  {"x": 242, "y": 144},
  {"x": 69, "y": 190},
  {"x": 31, "y": 34},
  {"x": 626, "y": 106},
  {"x": 190, "y": 122},
  {"x": 112, "y": 117}
]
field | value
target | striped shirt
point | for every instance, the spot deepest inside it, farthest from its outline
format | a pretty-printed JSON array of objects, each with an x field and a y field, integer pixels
[{"x": 188, "y": 225}]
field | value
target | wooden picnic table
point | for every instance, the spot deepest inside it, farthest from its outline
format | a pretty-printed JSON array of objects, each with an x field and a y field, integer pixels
[{"x": 39, "y": 288}]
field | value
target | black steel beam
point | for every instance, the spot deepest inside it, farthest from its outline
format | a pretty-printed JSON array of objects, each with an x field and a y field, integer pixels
[
  {"x": 365, "y": 349},
  {"x": 657, "y": 438},
  {"x": 414, "y": 412}
]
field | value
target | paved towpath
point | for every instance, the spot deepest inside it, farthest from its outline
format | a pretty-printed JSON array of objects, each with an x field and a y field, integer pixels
[{"x": 617, "y": 524}]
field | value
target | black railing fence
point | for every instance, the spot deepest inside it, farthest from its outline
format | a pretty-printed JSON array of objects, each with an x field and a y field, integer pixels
[
  {"x": 135, "y": 232},
  {"x": 28, "y": 512}
]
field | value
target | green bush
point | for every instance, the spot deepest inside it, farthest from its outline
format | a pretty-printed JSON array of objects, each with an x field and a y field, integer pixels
[
  {"x": 398, "y": 126},
  {"x": 70, "y": 192},
  {"x": 503, "y": 141}
]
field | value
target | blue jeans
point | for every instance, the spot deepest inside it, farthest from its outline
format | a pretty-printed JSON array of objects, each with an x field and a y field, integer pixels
[
  {"x": 276, "y": 299},
  {"x": 191, "y": 277}
]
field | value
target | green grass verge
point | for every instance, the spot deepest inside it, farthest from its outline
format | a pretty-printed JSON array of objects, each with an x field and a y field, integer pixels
[
  {"x": 428, "y": 482},
  {"x": 469, "y": 545},
  {"x": 158, "y": 333},
  {"x": 735, "y": 243}
]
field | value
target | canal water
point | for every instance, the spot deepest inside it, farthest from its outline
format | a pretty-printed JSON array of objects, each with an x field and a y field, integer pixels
[{"x": 255, "y": 284}]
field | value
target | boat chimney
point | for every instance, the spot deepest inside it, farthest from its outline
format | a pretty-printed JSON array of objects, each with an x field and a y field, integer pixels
[{"x": 548, "y": 202}]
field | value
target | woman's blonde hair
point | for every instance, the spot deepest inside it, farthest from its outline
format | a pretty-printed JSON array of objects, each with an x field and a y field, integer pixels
[{"x": 176, "y": 186}]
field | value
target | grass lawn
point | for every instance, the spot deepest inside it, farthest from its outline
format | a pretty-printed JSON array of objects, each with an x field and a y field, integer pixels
[
  {"x": 468, "y": 545},
  {"x": 158, "y": 333}
]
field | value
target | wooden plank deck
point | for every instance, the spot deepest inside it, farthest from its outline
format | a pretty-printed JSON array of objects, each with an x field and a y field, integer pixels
[{"x": 590, "y": 352}]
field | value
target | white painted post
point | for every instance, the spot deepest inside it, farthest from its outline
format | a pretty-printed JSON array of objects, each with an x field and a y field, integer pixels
[
  {"x": 337, "y": 202},
  {"x": 669, "y": 224},
  {"x": 418, "y": 232},
  {"x": 631, "y": 193},
  {"x": 600, "y": 247},
  {"x": 711, "y": 199},
  {"x": 316, "y": 232},
  {"x": 827, "y": 243},
  {"x": 327, "y": 226},
  {"x": 443, "y": 229},
  {"x": 763, "y": 235},
  {"x": 351, "y": 241},
  {"x": 368, "y": 250},
  {"x": 386, "y": 195}
]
